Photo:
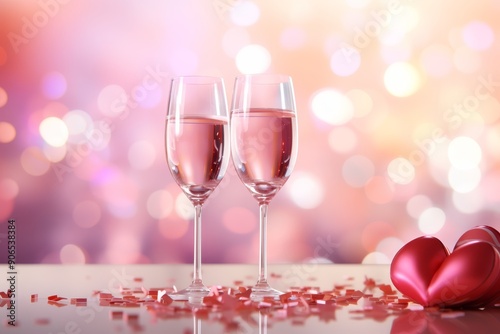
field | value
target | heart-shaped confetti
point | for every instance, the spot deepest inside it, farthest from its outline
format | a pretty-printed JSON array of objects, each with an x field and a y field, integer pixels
[{"x": 428, "y": 274}]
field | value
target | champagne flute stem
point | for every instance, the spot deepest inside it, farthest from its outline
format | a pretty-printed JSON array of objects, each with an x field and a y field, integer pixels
[
  {"x": 197, "y": 246},
  {"x": 263, "y": 244}
]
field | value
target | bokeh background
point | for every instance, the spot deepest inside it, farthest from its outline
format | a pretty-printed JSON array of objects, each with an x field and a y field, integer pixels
[{"x": 398, "y": 105}]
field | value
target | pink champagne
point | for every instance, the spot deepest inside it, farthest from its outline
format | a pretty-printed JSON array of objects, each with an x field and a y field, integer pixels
[
  {"x": 197, "y": 154},
  {"x": 264, "y": 147}
]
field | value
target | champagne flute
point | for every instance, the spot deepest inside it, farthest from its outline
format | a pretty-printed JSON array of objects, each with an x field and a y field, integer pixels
[
  {"x": 264, "y": 148},
  {"x": 197, "y": 150}
]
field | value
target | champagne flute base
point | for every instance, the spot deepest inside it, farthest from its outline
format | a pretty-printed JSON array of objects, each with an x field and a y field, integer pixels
[
  {"x": 263, "y": 290},
  {"x": 193, "y": 293}
]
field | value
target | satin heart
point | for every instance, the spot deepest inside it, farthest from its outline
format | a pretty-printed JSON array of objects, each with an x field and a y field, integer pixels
[
  {"x": 424, "y": 271},
  {"x": 492, "y": 236},
  {"x": 481, "y": 233},
  {"x": 414, "y": 265}
]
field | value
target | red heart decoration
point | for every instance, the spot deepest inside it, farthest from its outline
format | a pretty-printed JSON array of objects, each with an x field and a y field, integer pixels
[
  {"x": 492, "y": 236},
  {"x": 480, "y": 233},
  {"x": 424, "y": 271}
]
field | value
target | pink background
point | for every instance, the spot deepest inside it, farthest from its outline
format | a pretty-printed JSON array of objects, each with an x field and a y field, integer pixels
[{"x": 398, "y": 106}]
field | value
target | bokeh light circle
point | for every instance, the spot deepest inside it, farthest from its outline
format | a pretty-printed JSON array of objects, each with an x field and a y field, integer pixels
[
  {"x": 141, "y": 155},
  {"x": 464, "y": 153},
  {"x": 306, "y": 190},
  {"x": 7, "y": 132},
  {"x": 160, "y": 204},
  {"x": 71, "y": 254},
  {"x": 34, "y": 161},
  {"x": 3, "y": 97},
  {"x": 478, "y": 35},
  {"x": 112, "y": 100},
  {"x": 253, "y": 59},
  {"x": 401, "y": 171},
  {"x": 357, "y": 171},
  {"x": 244, "y": 13},
  {"x": 54, "y": 131},
  {"x": 464, "y": 181},
  {"x": 345, "y": 63},
  {"x": 431, "y": 220},
  {"x": 332, "y": 107},
  {"x": 401, "y": 79}
]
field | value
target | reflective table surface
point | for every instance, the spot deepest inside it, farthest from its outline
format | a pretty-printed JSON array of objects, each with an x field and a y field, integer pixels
[{"x": 325, "y": 298}]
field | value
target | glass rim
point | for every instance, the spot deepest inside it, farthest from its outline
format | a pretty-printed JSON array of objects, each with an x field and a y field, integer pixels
[
  {"x": 265, "y": 78},
  {"x": 198, "y": 79}
]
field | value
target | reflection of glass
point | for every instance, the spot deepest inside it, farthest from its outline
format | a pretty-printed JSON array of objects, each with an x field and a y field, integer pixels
[
  {"x": 264, "y": 148},
  {"x": 262, "y": 323},
  {"x": 197, "y": 149},
  {"x": 196, "y": 324}
]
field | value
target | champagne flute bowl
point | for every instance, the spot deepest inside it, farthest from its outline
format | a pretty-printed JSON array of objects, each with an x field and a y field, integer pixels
[
  {"x": 264, "y": 144},
  {"x": 197, "y": 150}
]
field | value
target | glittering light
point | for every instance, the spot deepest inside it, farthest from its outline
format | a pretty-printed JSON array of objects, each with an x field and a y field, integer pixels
[
  {"x": 3, "y": 97},
  {"x": 54, "y": 85},
  {"x": 239, "y": 220},
  {"x": 345, "y": 63},
  {"x": 418, "y": 204},
  {"x": 234, "y": 40},
  {"x": 464, "y": 181},
  {"x": 293, "y": 38},
  {"x": 244, "y": 13},
  {"x": 342, "y": 139},
  {"x": 466, "y": 60},
  {"x": 34, "y": 161},
  {"x": 7, "y": 132},
  {"x": 141, "y": 155},
  {"x": 402, "y": 79},
  {"x": 71, "y": 254},
  {"x": 357, "y": 171},
  {"x": 431, "y": 220},
  {"x": 469, "y": 203},
  {"x": 112, "y": 100},
  {"x": 160, "y": 204},
  {"x": 437, "y": 60},
  {"x": 86, "y": 214},
  {"x": 478, "y": 35},
  {"x": 401, "y": 171},
  {"x": 253, "y": 59},
  {"x": 54, "y": 131},
  {"x": 332, "y": 107},
  {"x": 464, "y": 153},
  {"x": 306, "y": 191},
  {"x": 8, "y": 189},
  {"x": 77, "y": 122},
  {"x": 362, "y": 102}
]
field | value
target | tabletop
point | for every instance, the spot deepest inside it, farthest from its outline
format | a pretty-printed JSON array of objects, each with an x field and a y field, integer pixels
[{"x": 320, "y": 298}]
